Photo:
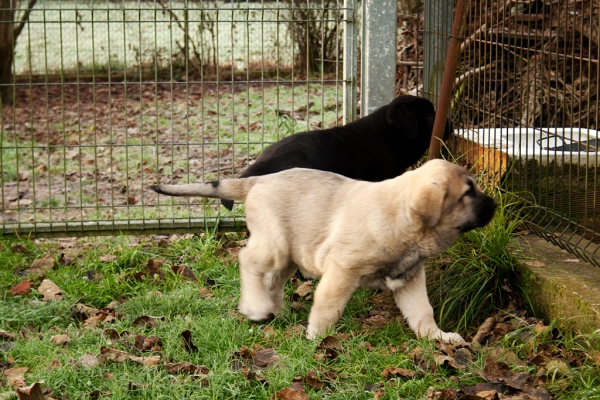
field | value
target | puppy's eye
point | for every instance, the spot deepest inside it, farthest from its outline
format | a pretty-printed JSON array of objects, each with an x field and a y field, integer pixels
[{"x": 471, "y": 192}]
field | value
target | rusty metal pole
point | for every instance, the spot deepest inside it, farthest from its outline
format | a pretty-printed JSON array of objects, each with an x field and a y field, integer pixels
[{"x": 443, "y": 103}]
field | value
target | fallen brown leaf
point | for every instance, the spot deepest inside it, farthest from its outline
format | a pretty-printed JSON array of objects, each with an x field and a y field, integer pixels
[
  {"x": 487, "y": 395},
  {"x": 368, "y": 346},
  {"x": 289, "y": 394},
  {"x": 113, "y": 334},
  {"x": 540, "y": 327},
  {"x": 446, "y": 348},
  {"x": 441, "y": 394},
  {"x": 106, "y": 258},
  {"x": 111, "y": 354},
  {"x": 19, "y": 248},
  {"x": 54, "y": 364},
  {"x": 256, "y": 360},
  {"x": 268, "y": 332},
  {"x": 204, "y": 292},
  {"x": 60, "y": 340},
  {"x": 21, "y": 288},
  {"x": 441, "y": 359},
  {"x": 50, "y": 290},
  {"x": 266, "y": 358},
  {"x": 83, "y": 312},
  {"x": 331, "y": 345},
  {"x": 184, "y": 270},
  {"x": 154, "y": 267},
  {"x": 378, "y": 395},
  {"x": 66, "y": 260},
  {"x": 498, "y": 372},
  {"x": 152, "y": 343},
  {"x": 253, "y": 375},
  {"x": 97, "y": 319},
  {"x": 42, "y": 265},
  {"x": 146, "y": 321},
  {"x": 89, "y": 360},
  {"x": 311, "y": 380},
  {"x": 234, "y": 251},
  {"x": 303, "y": 291},
  {"x": 375, "y": 322},
  {"x": 188, "y": 344},
  {"x": 31, "y": 392},
  {"x": 7, "y": 335},
  {"x": 185, "y": 367},
  {"x": 463, "y": 357},
  {"x": 483, "y": 333},
  {"x": 147, "y": 361},
  {"x": 393, "y": 372},
  {"x": 487, "y": 389},
  {"x": 15, "y": 376}
]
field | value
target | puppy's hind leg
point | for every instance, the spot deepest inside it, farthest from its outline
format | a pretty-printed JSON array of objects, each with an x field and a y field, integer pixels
[
  {"x": 257, "y": 300},
  {"x": 275, "y": 281},
  {"x": 412, "y": 300}
]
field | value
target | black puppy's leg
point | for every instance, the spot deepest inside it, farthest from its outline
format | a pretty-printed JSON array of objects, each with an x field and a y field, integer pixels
[{"x": 228, "y": 204}]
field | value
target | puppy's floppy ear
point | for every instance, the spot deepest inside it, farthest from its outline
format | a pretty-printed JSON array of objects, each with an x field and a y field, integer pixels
[
  {"x": 401, "y": 115},
  {"x": 427, "y": 205}
]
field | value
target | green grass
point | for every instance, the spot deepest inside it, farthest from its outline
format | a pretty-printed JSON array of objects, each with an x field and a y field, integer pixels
[
  {"x": 219, "y": 332},
  {"x": 466, "y": 281}
]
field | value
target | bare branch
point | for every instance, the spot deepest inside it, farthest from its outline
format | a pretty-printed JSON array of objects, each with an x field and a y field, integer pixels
[{"x": 24, "y": 19}]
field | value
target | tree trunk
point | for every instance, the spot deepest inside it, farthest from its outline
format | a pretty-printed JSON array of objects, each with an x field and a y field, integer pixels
[{"x": 6, "y": 49}]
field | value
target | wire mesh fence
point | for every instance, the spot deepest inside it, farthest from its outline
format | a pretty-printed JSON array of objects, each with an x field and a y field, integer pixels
[
  {"x": 107, "y": 98},
  {"x": 526, "y": 99}
]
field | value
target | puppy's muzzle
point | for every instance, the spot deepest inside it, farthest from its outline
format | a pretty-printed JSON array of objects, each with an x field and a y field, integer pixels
[{"x": 484, "y": 209}]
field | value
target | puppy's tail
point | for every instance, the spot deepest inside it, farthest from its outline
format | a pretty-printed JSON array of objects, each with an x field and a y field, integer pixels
[{"x": 230, "y": 189}]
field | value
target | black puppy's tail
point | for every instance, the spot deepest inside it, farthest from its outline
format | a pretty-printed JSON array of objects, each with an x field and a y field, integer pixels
[{"x": 230, "y": 189}]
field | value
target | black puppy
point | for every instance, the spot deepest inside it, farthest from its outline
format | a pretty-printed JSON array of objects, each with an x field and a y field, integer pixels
[{"x": 377, "y": 147}]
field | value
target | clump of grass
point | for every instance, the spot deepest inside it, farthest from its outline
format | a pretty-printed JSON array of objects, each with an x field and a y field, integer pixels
[{"x": 466, "y": 281}]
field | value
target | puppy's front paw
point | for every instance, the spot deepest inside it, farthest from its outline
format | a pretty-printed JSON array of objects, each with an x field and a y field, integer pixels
[
  {"x": 450, "y": 337},
  {"x": 311, "y": 334}
]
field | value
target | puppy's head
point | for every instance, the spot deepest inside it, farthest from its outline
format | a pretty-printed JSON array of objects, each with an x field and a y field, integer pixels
[
  {"x": 448, "y": 199},
  {"x": 415, "y": 116}
]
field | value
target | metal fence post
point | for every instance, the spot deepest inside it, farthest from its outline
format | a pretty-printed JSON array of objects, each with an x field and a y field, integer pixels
[
  {"x": 438, "y": 20},
  {"x": 378, "y": 68},
  {"x": 350, "y": 59}
]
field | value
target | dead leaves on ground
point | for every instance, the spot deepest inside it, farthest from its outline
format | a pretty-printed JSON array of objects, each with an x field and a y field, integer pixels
[
  {"x": 16, "y": 379},
  {"x": 42, "y": 265},
  {"x": 252, "y": 363},
  {"x": 199, "y": 372},
  {"x": 330, "y": 348},
  {"x": 20, "y": 289},
  {"x": 297, "y": 391},
  {"x": 188, "y": 344},
  {"x": 50, "y": 290},
  {"x": 92, "y": 317},
  {"x": 111, "y": 354}
]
